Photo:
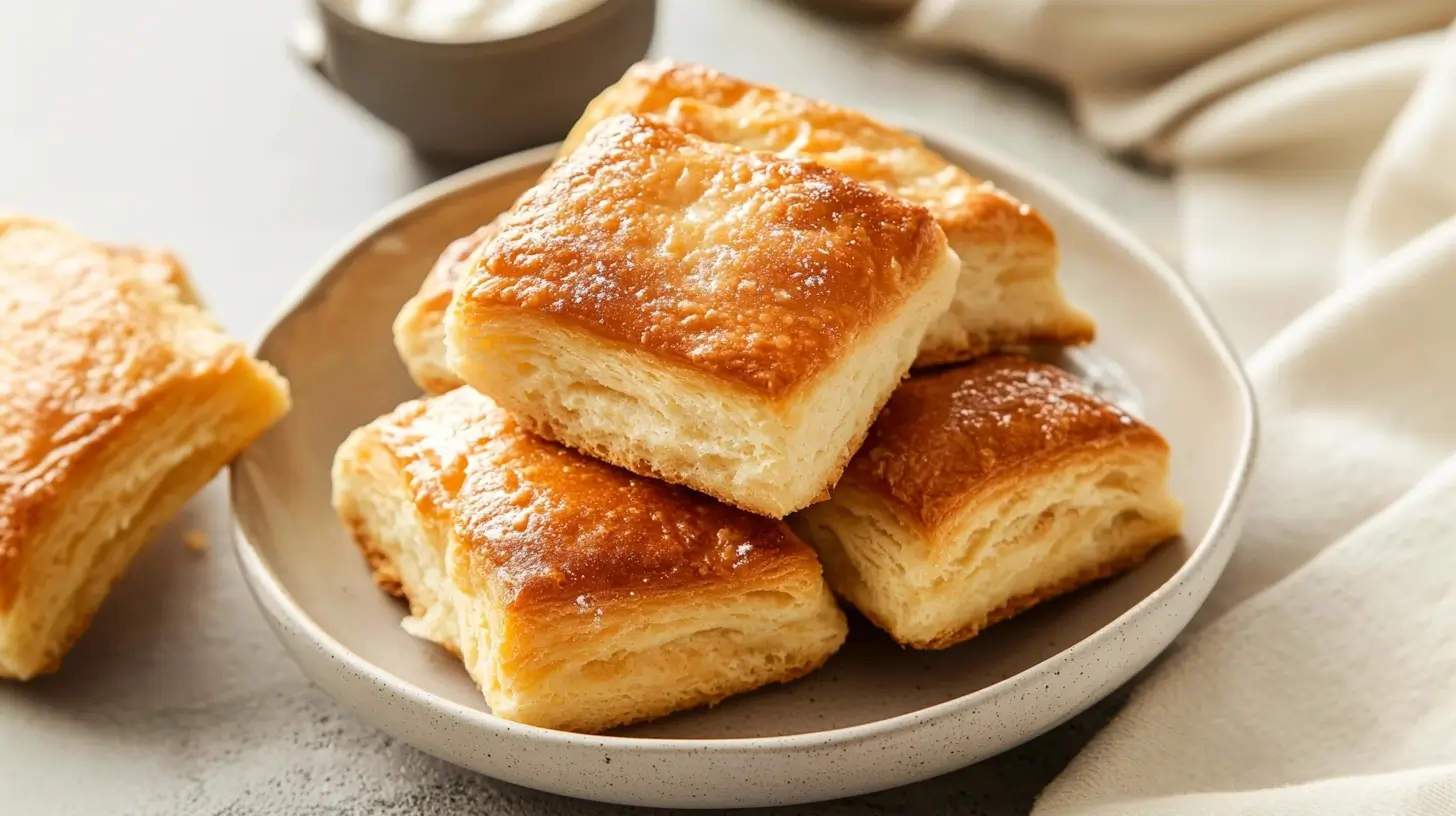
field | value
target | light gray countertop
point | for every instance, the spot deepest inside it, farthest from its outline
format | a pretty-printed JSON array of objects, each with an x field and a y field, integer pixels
[{"x": 186, "y": 124}]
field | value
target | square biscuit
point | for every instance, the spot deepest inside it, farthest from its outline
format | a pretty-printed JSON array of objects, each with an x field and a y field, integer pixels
[
  {"x": 118, "y": 401},
  {"x": 983, "y": 490},
  {"x": 718, "y": 318},
  {"x": 1008, "y": 294},
  {"x": 578, "y": 595}
]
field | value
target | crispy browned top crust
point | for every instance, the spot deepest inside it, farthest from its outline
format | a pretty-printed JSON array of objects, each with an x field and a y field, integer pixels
[
  {"x": 155, "y": 264},
  {"x": 88, "y": 341},
  {"x": 722, "y": 108},
  {"x": 945, "y": 437},
  {"x": 547, "y": 525},
  {"x": 755, "y": 269}
]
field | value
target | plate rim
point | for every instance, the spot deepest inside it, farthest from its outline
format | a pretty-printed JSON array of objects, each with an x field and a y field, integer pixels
[{"x": 270, "y": 594}]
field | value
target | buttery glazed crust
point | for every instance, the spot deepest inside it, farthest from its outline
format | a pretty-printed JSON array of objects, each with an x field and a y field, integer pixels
[
  {"x": 546, "y": 525},
  {"x": 155, "y": 264},
  {"x": 721, "y": 108},
  {"x": 757, "y": 270},
  {"x": 99, "y": 346},
  {"x": 978, "y": 218},
  {"x": 945, "y": 438}
]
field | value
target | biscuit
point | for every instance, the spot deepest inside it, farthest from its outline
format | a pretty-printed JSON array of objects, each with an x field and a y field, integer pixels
[
  {"x": 1008, "y": 295},
  {"x": 118, "y": 402},
  {"x": 578, "y": 595},
  {"x": 983, "y": 490},
  {"x": 718, "y": 318}
]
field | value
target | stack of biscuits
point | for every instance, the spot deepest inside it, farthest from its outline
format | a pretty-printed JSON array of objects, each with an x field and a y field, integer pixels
[{"x": 736, "y": 355}]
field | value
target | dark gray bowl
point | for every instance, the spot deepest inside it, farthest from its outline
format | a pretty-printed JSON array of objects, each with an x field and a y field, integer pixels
[{"x": 474, "y": 100}]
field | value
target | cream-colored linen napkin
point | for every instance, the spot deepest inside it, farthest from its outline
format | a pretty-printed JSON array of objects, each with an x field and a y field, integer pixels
[{"x": 1314, "y": 149}]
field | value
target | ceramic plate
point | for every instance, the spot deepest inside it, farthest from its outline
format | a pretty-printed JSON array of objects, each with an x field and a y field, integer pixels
[{"x": 875, "y": 716}]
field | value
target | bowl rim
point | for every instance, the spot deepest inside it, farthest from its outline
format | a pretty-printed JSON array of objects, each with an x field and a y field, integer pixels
[{"x": 270, "y": 593}]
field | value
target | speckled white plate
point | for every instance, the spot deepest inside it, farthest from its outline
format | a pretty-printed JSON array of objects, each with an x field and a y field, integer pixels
[{"x": 875, "y": 716}]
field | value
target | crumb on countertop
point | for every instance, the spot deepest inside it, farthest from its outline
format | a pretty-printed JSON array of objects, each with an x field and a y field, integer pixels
[{"x": 196, "y": 540}]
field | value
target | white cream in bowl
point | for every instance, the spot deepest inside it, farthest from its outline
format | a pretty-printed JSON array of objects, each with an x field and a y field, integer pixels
[{"x": 466, "y": 19}]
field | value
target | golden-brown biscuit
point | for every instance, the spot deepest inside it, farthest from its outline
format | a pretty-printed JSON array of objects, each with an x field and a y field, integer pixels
[
  {"x": 983, "y": 490},
  {"x": 1008, "y": 294},
  {"x": 118, "y": 401},
  {"x": 722, "y": 319},
  {"x": 579, "y": 596},
  {"x": 154, "y": 264}
]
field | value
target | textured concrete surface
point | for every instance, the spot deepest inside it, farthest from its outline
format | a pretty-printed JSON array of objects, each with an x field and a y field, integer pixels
[{"x": 186, "y": 124}]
